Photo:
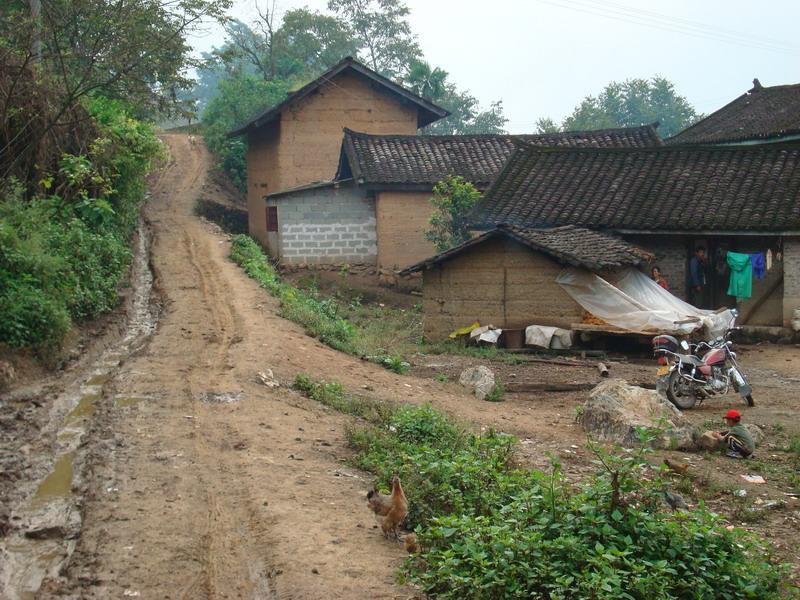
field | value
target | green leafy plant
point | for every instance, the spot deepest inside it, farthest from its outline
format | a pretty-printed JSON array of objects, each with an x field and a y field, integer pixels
[
  {"x": 493, "y": 530},
  {"x": 63, "y": 255},
  {"x": 496, "y": 394},
  {"x": 453, "y": 199}
]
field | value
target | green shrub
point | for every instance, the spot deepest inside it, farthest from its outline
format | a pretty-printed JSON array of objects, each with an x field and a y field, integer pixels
[
  {"x": 238, "y": 99},
  {"x": 62, "y": 256},
  {"x": 30, "y": 316},
  {"x": 491, "y": 530}
]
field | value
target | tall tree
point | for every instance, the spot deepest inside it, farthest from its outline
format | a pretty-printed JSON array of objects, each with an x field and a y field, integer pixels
[
  {"x": 301, "y": 45},
  {"x": 631, "y": 103},
  {"x": 466, "y": 114},
  {"x": 126, "y": 49},
  {"x": 384, "y": 35}
]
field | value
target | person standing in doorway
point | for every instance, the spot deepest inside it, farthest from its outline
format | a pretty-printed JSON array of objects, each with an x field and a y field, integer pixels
[
  {"x": 658, "y": 277},
  {"x": 697, "y": 277}
]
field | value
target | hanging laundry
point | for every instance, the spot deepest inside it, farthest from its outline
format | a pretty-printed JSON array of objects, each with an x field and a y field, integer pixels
[
  {"x": 769, "y": 260},
  {"x": 759, "y": 268},
  {"x": 741, "y": 283}
]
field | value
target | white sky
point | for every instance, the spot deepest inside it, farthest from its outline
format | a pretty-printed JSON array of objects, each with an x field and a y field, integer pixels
[{"x": 541, "y": 57}]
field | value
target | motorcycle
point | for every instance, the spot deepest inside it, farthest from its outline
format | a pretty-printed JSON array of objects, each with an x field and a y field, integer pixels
[{"x": 692, "y": 373}]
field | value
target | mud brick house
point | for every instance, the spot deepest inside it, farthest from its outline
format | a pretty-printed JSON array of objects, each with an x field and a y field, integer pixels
[
  {"x": 507, "y": 277},
  {"x": 298, "y": 141},
  {"x": 378, "y": 206},
  {"x": 668, "y": 200}
]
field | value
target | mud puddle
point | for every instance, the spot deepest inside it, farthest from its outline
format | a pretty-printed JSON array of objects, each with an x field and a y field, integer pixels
[{"x": 49, "y": 516}]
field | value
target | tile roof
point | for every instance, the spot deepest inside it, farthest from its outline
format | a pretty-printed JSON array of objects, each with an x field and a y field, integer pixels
[
  {"x": 568, "y": 245},
  {"x": 428, "y": 111},
  {"x": 427, "y": 159},
  {"x": 761, "y": 113},
  {"x": 679, "y": 188}
]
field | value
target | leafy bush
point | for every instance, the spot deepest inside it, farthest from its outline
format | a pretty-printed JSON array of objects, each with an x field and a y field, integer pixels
[
  {"x": 62, "y": 255},
  {"x": 453, "y": 199},
  {"x": 492, "y": 530}
]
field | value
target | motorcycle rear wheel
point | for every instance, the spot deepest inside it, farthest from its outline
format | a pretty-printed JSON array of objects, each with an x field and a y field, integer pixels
[{"x": 674, "y": 392}]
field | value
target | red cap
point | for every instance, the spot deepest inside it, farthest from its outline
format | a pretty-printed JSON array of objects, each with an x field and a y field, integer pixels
[{"x": 733, "y": 414}]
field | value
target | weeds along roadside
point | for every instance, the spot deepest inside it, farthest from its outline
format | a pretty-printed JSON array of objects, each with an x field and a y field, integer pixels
[
  {"x": 491, "y": 529},
  {"x": 321, "y": 318},
  {"x": 65, "y": 242}
]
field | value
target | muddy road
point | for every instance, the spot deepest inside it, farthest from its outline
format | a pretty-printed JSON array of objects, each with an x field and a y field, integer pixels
[{"x": 185, "y": 476}]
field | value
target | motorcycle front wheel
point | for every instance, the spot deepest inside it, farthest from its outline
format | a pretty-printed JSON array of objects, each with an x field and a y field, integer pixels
[
  {"x": 749, "y": 400},
  {"x": 675, "y": 392}
]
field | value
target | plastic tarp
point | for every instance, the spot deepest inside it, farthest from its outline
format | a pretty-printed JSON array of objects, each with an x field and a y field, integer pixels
[{"x": 636, "y": 303}]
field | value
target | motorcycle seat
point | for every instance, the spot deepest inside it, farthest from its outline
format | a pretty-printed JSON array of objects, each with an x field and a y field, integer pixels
[{"x": 691, "y": 359}]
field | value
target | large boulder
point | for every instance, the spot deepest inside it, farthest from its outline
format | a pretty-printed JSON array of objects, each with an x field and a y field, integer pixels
[
  {"x": 480, "y": 379},
  {"x": 615, "y": 411}
]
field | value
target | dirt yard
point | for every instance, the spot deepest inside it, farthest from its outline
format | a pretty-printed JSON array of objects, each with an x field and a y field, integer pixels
[{"x": 189, "y": 478}]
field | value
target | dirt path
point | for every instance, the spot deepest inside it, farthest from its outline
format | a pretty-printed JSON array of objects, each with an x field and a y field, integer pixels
[
  {"x": 202, "y": 482},
  {"x": 205, "y": 483}
]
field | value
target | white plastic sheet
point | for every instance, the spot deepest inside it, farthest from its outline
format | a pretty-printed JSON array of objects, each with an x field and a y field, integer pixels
[{"x": 637, "y": 303}]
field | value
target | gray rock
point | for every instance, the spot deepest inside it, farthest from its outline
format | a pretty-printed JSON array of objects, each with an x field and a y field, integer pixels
[
  {"x": 480, "y": 379},
  {"x": 615, "y": 411}
]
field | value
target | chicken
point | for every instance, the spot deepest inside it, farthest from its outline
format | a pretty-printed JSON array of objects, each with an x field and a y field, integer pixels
[
  {"x": 379, "y": 503},
  {"x": 674, "y": 501},
  {"x": 392, "y": 508},
  {"x": 411, "y": 544},
  {"x": 676, "y": 467}
]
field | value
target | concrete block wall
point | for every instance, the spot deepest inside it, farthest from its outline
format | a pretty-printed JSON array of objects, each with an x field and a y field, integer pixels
[
  {"x": 791, "y": 278},
  {"x": 327, "y": 226}
]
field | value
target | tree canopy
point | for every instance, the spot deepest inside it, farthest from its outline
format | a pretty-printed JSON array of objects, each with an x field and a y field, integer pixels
[{"x": 629, "y": 103}]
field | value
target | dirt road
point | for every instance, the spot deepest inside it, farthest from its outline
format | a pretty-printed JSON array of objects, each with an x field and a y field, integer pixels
[{"x": 203, "y": 482}]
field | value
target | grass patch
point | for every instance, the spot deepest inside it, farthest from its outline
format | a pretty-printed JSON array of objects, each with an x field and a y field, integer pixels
[
  {"x": 321, "y": 318},
  {"x": 490, "y": 529},
  {"x": 332, "y": 394},
  {"x": 793, "y": 445}
]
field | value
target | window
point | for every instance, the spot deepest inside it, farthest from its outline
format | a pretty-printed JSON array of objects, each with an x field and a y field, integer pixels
[{"x": 272, "y": 218}]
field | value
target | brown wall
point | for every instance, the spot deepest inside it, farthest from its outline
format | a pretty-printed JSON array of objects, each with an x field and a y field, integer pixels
[
  {"x": 263, "y": 175},
  {"x": 500, "y": 283},
  {"x": 304, "y": 147},
  {"x": 402, "y": 218}
]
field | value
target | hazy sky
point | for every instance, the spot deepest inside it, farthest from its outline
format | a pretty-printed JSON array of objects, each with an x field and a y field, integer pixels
[{"x": 541, "y": 57}]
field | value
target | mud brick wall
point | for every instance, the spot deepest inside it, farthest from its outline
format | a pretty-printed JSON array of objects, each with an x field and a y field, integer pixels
[
  {"x": 304, "y": 146},
  {"x": 263, "y": 171},
  {"x": 329, "y": 225},
  {"x": 500, "y": 283},
  {"x": 791, "y": 278},
  {"x": 403, "y": 218}
]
